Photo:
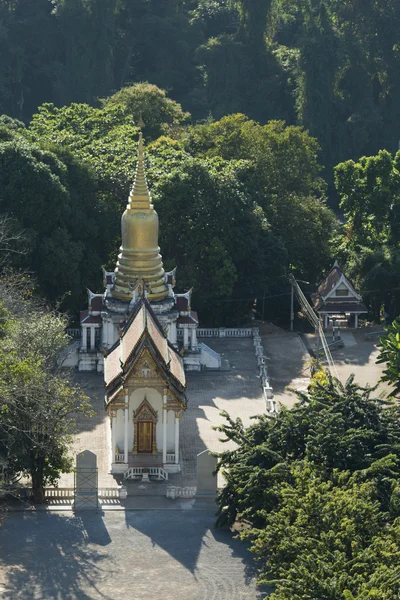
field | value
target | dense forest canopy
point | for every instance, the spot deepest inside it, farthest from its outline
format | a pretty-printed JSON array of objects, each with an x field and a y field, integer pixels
[
  {"x": 328, "y": 65},
  {"x": 248, "y": 105}
]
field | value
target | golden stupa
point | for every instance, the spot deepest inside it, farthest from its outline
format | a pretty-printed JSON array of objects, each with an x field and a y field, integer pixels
[{"x": 139, "y": 257}]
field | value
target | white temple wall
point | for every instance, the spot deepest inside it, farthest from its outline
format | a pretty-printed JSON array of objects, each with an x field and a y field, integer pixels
[{"x": 118, "y": 423}]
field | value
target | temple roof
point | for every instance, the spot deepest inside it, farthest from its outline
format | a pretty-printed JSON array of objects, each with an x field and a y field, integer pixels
[
  {"x": 182, "y": 301},
  {"x": 190, "y": 319},
  {"x": 327, "y": 299},
  {"x": 142, "y": 328}
]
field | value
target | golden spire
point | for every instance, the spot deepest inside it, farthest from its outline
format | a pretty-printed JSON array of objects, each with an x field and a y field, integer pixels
[
  {"x": 140, "y": 195},
  {"x": 139, "y": 256}
]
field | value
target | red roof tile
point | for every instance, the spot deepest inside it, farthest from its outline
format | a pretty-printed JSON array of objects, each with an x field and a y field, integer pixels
[{"x": 182, "y": 303}]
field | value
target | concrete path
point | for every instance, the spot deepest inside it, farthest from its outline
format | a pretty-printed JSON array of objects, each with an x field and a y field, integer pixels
[
  {"x": 149, "y": 555},
  {"x": 358, "y": 357},
  {"x": 348, "y": 338}
]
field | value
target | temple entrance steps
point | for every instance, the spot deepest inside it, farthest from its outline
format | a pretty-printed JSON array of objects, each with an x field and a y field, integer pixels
[
  {"x": 152, "y": 488},
  {"x": 144, "y": 473},
  {"x": 145, "y": 460}
]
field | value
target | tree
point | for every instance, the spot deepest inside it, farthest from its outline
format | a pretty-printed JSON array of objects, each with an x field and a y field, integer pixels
[
  {"x": 369, "y": 192},
  {"x": 151, "y": 104},
  {"x": 390, "y": 355},
  {"x": 284, "y": 180},
  {"x": 316, "y": 489},
  {"x": 225, "y": 244},
  {"x": 51, "y": 196},
  {"x": 38, "y": 402}
]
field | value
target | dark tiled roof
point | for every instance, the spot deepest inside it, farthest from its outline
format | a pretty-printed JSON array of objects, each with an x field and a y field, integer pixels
[
  {"x": 182, "y": 303},
  {"x": 343, "y": 307},
  {"x": 191, "y": 319},
  {"x": 83, "y": 315},
  {"x": 328, "y": 284},
  {"x": 96, "y": 303}
]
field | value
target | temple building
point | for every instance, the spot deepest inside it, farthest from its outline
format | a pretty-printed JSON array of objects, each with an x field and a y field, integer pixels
[
  {"x": 142, "y": 335},
  {"x": 145, "y": 395},
  {"x": 336, "y": 297}
]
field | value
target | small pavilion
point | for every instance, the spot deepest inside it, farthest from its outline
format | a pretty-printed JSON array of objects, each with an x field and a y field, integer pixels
[{"x": 337, "y": 297}]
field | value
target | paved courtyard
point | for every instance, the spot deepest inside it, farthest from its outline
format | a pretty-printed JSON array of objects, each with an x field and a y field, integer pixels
[
  {"x": 237, "y": 391},
  {"x": 140, "y": 555}
]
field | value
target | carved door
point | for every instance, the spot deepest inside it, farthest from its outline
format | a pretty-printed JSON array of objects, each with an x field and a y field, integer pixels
[{"x": 145, "y": 436}]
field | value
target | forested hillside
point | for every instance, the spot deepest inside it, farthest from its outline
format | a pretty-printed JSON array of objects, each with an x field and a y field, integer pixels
[
  {"x": 329, "y": 65},
  {"x": 249, "y": 107}
]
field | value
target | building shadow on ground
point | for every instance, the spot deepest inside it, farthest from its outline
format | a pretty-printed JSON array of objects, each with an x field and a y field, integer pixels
[{"x": 46, "y": 555}]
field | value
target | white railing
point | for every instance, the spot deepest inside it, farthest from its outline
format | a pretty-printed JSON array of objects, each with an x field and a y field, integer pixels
[
  {"x": 207, "y": 332},
  {"x": 74, "y": 332},
  {"x": 108, "y": 492},
  {"x": 134, "y": 472},
  {"x": 238, "y": 332},
  {"x": 59, "y": 492},
  {"x": 180, "y": 492},
  {"x": 119, "y": 458},
  {"x": 170, "y": 457}
]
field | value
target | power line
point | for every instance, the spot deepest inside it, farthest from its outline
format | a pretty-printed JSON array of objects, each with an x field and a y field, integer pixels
[{"x": 315, "y": 322}]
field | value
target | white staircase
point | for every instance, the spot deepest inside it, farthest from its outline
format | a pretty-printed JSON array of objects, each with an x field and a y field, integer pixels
[
  {"x": 136, "y": 472},
  {"x": 209, "y": 358}
]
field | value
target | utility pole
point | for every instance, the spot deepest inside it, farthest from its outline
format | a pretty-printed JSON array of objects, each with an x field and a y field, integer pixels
[{"x": 293, "y": 281}]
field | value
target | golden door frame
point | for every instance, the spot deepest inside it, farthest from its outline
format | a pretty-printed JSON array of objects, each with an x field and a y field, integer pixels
[{"x": 144, "y": 412}]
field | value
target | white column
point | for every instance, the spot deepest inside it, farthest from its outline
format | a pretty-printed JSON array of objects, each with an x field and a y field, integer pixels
[
  {"x": 84, "y": 339},
  {"x": 185, "y": 337},
  {"x": 164, "y": 441},
  {"x": 113, "y": 444},
  {"x": 176, "y": 440},
  {"x": 92, "y": 337},
  {"x": 194, "y": 339},
  {"x": 126, "y": 409},
  {"x": 356, "y": 321},
  {"x": 173, "y": 334}
]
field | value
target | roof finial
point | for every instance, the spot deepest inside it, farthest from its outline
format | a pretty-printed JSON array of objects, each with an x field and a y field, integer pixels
[{"x": 140, "y": 122}]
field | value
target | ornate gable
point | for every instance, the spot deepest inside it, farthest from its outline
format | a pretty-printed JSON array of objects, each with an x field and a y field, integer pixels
[{"x": 145, "y": 372}]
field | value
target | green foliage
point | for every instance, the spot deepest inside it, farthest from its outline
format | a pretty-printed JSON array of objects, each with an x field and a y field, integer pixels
[
  {"x": 151, "y": 104},
  {"x": 38, "y": 404},
  {"x": 330, "y": 66},
  {"x": 316, "y": 489},
  {"x": 284, "y": 180},
  {"x": 237, "y": 192},
  {"x": 51, "y": 197},
  {"x": 369, "y": 192},
  {"x": 390, "y": 354}
]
